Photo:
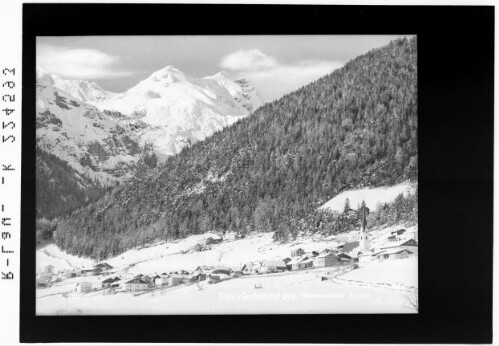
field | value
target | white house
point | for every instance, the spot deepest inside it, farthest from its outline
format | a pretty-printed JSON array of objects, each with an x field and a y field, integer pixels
[
  {"x": 365, "y": 256},
  {"x": 48, "y": 270},
  {"x": 162, "y": 280},
  {"x": 84, "y": 287}
]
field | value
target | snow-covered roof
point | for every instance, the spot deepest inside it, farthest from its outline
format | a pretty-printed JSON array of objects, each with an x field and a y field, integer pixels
[
  {"x": 136, "y": 281},
  {"x": 401, "y": 242},
  {"x": 275, "y": 263},
  {"x": 347, "y": 247},
  {"x": 238, "y": 268},
  {"x": 327, "y": 254},
  {"x": 222, "y": 268},
  {"x": 392, "y": 251}
]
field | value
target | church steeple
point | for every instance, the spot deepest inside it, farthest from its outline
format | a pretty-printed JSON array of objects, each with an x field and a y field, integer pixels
[{"x": 363, "y": 234}]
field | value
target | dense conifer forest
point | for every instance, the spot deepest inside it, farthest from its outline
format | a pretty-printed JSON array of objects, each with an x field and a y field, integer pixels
[
  {"x": 59, "y": 188},
  {"x": 356, "y": 127}
]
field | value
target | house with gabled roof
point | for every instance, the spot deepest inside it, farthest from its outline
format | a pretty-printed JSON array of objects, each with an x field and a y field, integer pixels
[
  {"x": 238, "y": 270},
  {"x": 326, "y": 260},
  {"x": 161, "y": 280},
  {"x": 393, "y": 253},
  {"x": 408, "y": 244},
  {"x": 301, "y": 263},
  {"x": 91, "y": 272},
  {"x": 345, "y": 258},
  {"x": 398, "y": 232},
  {"x": 109, "y": 281},
  {"x": 104, "y": 266},
  {"x": 175, "y": 280},
  {"x": 271, "y": 266},
  {"x": 136, "y": 285},
  {"x": 204, "y": 269},
  {"x": 221, "y": 270}
]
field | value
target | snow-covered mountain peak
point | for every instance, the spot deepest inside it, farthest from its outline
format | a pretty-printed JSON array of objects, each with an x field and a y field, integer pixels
[
  {"x": 170, "y": 74},
  {"x": 82, "y": 90},
  {"x": 221, "y": 75},
  {"x": 44, "y": 77},
  {"x": 173, "y": 109}
]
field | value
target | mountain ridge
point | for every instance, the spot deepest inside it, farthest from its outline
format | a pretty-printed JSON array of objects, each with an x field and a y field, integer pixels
[
  {"x": 102, "y": 147},
  {"x": 356, "y": 127}
]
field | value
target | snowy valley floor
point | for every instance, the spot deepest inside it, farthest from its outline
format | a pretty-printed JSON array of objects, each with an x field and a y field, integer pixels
[
  {"x": 379, "y": 287},
  {"x": 358, "y": 291}
]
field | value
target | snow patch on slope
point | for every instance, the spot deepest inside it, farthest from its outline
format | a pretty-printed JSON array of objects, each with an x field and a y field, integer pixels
[{"x": 372, "y": 196}]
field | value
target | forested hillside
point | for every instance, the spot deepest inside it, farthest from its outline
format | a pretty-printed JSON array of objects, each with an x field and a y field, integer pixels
[
  {"x": 59, "y": 188},
  {"x": 355, "y": 127}
]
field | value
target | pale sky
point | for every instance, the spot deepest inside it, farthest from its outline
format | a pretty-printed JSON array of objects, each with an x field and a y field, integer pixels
[{"x": 275, "y": 64}]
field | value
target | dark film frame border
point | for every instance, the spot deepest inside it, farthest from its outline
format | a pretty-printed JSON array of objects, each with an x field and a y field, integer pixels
[{"x": 455, "y": 134}]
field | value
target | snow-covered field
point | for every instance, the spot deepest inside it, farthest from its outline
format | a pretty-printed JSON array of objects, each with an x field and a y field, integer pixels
[
  {"x": 401, "y": 273},
  {"x": 293, "y": 292},
  {"x": 385, "y": 287},
  {"x": 372, "y": 196},
  {"x": 377, "y": 287}
]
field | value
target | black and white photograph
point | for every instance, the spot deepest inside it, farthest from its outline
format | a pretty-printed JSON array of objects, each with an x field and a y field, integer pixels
[
  {"x": 247, "y": 173},
  {"x": 218, "y": 174}
]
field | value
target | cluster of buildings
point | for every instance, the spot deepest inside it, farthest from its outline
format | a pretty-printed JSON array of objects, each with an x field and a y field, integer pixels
[
  {"x": 205, "y": 244},
  {"x": 398, "y": 244},
  {"x": 47, "y": 275}
]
